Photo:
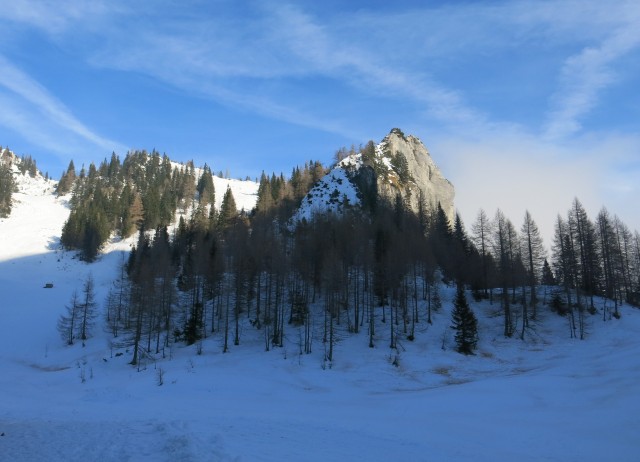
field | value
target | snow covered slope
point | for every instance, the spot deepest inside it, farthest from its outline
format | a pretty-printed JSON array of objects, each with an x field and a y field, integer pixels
[
  {"x": 334, "y": 193},
  {"x": 244, "y": 192},
  {"x": 549, "y": 398}
]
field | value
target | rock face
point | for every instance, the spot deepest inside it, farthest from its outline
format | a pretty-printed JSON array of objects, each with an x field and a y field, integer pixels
[
  {"x": 418, "y": 178},
  {"x": 399, "y": 165}
]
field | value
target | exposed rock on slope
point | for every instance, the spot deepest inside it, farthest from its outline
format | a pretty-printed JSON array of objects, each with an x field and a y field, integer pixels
[{"x": 398, "y": 165}]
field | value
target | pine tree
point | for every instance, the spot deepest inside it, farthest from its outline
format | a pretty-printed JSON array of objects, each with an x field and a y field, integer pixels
[
  {"x": 465, "y": 324},
  {"x": 228, "y": 210},
  {"x": 205, "y": 187},
  {"x": 7, "y": 185},
  {"x": 548, "y": 279},
  {"x": 67, "y": 180}
]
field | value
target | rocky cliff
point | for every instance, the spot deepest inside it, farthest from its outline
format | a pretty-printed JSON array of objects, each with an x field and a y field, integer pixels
[{"x": 398, "y": 165}]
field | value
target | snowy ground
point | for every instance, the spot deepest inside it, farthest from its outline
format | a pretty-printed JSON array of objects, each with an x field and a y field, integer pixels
[{"x": 549, "y": 399}]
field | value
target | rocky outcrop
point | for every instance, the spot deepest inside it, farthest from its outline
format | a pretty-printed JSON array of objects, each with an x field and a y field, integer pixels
[
  {"x": 413, "y": 174},
  {"x": 399, "y": 165}
]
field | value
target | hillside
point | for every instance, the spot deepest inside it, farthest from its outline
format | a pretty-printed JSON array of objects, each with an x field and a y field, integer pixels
[{"x": 546, "y": 398}]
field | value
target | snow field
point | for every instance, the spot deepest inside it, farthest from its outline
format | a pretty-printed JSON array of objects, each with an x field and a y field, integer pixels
[{"x": 548, "y": 398}]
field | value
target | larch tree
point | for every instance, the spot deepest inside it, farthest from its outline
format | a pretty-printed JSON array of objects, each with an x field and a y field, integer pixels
[
  {"x": 533, "y": 256},
  {"x": 88, "y": 309},
  {"x": 68, "y": 324},
  {"x": 481, "y": 236},
  {"x": 623, "y": 241},
  {"x": 609, "y": 259},
  {"x": 502, "y": 243},
  {"x": 582, "y": 236},
  {"x": 563, "y": 260}
]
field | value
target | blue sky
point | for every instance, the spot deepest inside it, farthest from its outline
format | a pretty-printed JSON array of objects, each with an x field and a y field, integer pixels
[{"x": 523, "y": 104}]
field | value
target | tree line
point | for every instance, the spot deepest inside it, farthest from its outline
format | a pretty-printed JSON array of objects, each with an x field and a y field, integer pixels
[
  {"x": 218, "y": 271},
  {"x": 144, "y": 190},
  {"x": 25, "y": 165}
]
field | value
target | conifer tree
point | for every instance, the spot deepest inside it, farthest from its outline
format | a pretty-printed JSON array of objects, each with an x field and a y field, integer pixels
[
  {"x": 228, "y": 210},
  {"x": 205, "y": 187},
  {"x": 548, "y": 279},
  {"x": 7, "y": 185},
  {"x": 465, "y": 324},
  {"x": 66, "y": 180}
]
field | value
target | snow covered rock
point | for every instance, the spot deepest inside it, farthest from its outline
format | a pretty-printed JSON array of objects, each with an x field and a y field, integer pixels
[{"x": 398, "y": 165}]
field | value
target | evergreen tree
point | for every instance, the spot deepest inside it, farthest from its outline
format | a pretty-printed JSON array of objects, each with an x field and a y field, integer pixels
[
  {"x": 67, "y": 180},
  {"x": 27, "y": 165},
  {"x": 205, "y": 187},
  {"x": 7, "y": 185},
  {"x": 401, "y": 166},
  {"x": 369, "y": 154},
  {"x": 465, "y": 324},
  {"x": 228, "y": 210},
  {"x": 265, "y": 196},
  {"x": 548, "y": 279}
]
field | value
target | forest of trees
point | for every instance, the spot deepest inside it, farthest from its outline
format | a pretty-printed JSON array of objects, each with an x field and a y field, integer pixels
[
  {"x": 144, "y": 190},
  {"x": 25, "y": 165},
  {"x": 217, "y": 270}
]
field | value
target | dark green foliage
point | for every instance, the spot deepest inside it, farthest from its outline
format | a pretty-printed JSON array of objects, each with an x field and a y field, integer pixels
[
  {"x": 548, "y": 278},
  {"x": 367, "y": 184},
  {"x": 7, "y": 186},
  {"x": 464, "y": 322},
  {"x": 27, "y": 165},
  {"x": 66, "y": 180},
  {"x": 86, "y": 230},
  {"x": 228, "y": 211},
  {"x": 224, "y": 264},
  {"x": 401, "y": 167},
  {"x": 205, "y": 187},
  {"x": 369, "y": 154},
  {"x": 558, "y": 304},
  {"x": 281, "y": 197},
  {"x": 399, "y": 132},
  {"x": 145, "y": 190}
]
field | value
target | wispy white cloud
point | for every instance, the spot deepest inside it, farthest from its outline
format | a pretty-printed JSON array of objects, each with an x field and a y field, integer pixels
[
  {"x": 417, "y": 63},
  {"x": 284, "y": 43},
  {"x": 34, "y": 99},
  {"x": 364, "y": 67},
  {"x": 398, "y": 54},
  {"x": 57, "y": 17},
  {"x": 584, "y": 76}
]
